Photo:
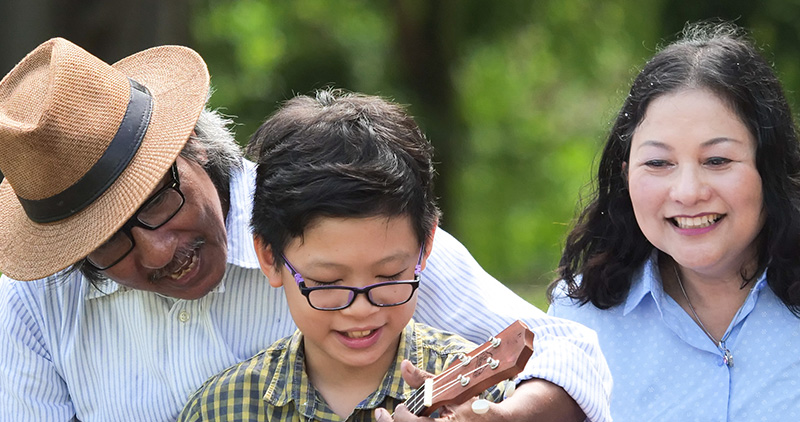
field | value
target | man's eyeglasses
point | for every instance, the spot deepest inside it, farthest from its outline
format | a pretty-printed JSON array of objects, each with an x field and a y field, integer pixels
[
  {"x": 334, "y": 298},
  {"x": 154, "y": 213}
]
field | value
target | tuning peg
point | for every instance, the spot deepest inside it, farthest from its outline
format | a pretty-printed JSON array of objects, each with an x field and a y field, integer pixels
[
  {"x": 480, "y": 406},
  {"x": 512, "y": 387}
]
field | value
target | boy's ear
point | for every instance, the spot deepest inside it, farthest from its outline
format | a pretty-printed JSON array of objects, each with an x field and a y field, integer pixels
[
  {"x": 267, "y": 262},
  {"x": 429, "y": 246}
]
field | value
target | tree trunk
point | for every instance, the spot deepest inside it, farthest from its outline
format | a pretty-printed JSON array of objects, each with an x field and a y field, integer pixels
[
  {"x": 426, "y": 64},
  {"x": 109, "y": 29}
]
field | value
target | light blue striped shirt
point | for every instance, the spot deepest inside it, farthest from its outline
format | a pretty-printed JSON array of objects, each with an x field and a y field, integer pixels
[{"x": 70, "y": 351}]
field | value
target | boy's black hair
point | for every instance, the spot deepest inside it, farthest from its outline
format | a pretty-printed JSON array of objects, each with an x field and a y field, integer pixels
[{"x": 339, "y": 154}]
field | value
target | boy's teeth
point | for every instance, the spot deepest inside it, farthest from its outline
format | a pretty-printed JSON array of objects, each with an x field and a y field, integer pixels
[
  {"x": 696, "y": 222},
  {"x": 358, "y": 334}
]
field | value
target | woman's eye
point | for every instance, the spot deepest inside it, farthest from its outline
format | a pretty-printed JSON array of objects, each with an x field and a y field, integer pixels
[
  {"x": 656, "y": 163},
  {"x": 717, "y": 161}
]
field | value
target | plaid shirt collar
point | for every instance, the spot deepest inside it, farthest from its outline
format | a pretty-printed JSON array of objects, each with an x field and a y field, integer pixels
[{"x": 291, "y": 382}]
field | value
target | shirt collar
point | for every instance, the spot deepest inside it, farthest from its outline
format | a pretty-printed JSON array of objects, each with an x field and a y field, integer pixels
[
  {"x": 298, "y": 388},
  {"x": 646, "y": 281},
  {"x": 393, "y": 384},
  {"x": 291, "y": 368},
  {"x": 237, "y": 224},
  {"x": 107, "y": 287},
  {"x": 240, "y": 238}
]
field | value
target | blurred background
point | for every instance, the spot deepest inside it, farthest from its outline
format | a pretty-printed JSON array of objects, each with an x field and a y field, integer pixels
[{"x": 516, "y": 96}]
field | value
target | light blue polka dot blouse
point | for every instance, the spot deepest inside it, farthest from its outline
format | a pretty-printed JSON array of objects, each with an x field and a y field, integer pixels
[{"x": 665, "y": 368}]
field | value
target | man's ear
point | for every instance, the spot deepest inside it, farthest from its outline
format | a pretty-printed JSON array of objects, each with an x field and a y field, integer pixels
[
  {"x": 200, "y": 152},
  {"x": 267, "y": 262}
]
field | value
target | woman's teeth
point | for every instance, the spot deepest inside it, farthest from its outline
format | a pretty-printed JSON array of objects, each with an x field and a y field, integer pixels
[{"x": 696, "y": 222}]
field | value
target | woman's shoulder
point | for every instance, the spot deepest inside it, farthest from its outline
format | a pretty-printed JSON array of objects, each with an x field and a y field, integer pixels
[
  {"x": 642, "y": 279},
  {"x": 560, "y": 296},
  {"x": 563, "y": 305}
]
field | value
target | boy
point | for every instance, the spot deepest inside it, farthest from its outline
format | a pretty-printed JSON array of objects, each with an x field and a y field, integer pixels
[{"x": 344, "y": 217}]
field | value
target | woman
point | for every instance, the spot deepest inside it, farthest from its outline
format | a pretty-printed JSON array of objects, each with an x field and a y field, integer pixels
[{"x": 687, "y": 259}]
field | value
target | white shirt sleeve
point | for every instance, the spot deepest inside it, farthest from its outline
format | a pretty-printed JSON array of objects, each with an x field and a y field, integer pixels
[
  {"x": 457, "y": 295},
  {"x": 31, "y": 388}
]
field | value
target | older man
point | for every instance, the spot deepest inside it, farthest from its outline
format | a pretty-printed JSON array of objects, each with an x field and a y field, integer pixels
[{"x": 126, "y": 207}]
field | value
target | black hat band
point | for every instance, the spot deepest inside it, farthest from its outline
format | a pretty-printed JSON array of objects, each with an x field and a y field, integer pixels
[{"x": 105, "y": 171}]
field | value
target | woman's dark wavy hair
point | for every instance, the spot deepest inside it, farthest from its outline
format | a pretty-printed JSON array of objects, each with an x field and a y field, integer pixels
[
  {"x": 606, "y": 246},
  {"x": 339, "y": 154}
]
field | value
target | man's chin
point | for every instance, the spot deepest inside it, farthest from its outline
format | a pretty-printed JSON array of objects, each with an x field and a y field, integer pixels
[
  {"x": 194, "y": 285},
  {"x": 199, "y": 286}
]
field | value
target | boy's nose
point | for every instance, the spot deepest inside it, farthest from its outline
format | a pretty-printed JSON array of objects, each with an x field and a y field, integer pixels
[{"x": 361, "y": 306}]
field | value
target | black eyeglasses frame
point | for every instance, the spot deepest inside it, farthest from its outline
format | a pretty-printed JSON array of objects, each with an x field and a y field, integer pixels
[{"x": 134, "y": 221}]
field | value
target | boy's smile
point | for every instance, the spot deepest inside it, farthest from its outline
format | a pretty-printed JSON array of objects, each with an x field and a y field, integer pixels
[{"x": 360, "y": 339}]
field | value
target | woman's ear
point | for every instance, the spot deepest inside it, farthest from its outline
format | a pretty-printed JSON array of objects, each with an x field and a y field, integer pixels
[
  {"x": 267, "y": 262},
  {"x": 625, "y": 173}
]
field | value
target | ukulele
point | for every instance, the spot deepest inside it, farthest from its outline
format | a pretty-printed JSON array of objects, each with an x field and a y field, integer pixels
[{"x": 500, "y": 358}]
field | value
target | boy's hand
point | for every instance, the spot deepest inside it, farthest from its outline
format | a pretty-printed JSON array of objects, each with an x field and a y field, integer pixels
[{"x": 535, "y": 399}]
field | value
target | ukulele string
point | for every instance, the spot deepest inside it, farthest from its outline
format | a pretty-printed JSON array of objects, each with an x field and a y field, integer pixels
[{"x": 415, "y": 402}]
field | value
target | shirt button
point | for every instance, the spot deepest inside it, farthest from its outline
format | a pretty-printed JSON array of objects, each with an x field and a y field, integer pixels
[{"x": 183, "y": 316}]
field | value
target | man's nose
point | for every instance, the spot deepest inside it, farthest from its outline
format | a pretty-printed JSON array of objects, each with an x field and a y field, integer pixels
[{"x": 154, "y": 248}]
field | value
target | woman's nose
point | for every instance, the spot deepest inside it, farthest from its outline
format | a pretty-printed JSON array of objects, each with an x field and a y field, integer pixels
[{"x": 689, "y": 186}]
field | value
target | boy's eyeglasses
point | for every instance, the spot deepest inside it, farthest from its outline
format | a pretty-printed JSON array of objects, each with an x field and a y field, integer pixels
[
  {"x": 154, "y": 213},
  {"x": 334, "y": 298}
]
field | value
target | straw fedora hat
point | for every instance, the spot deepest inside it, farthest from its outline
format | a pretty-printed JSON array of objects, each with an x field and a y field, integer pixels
[{"x": 84, "y": 143}]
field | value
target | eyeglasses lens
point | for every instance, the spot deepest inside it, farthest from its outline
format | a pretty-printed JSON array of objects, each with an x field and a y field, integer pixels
[
  {"x": 156, "y": 211},
  {"x": 161, "y": 208}
]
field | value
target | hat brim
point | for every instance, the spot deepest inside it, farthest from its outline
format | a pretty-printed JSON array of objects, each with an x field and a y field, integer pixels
[{"x": 178, "y": 80}]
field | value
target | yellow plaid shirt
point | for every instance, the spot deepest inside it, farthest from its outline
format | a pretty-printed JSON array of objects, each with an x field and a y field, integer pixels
[{"x": 274, "y": 386}]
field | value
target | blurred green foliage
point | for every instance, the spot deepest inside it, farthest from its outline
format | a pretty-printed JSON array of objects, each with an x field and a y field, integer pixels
[{"x": 516, "y": 96}]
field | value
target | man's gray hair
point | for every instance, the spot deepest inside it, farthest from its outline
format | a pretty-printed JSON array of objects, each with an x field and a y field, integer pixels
[{"x": 212, "y": 144}]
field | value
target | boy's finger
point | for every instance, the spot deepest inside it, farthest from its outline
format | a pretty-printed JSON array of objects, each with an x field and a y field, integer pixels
[
  {"x": 413, "y": 376},
  {"x": 382, "y": 415}
]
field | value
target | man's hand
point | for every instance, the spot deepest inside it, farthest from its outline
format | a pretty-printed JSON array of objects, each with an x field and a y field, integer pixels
[{"x": 534, "y": 399}]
